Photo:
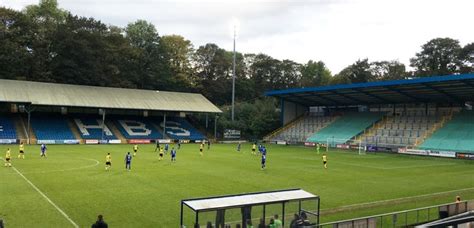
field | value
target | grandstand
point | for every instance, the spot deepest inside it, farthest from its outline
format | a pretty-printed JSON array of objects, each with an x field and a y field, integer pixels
[
  {"x": 7, "y": 128},
  {"x": 59, "y": 113},
  {"x": 405, "y": 129},
  {"x": 416, "y": 113},
  {"x": 456, "y": 135},
  {"x": 346, "y": 127},
  {"x": 302, "y": 128},
  {"x": 179, "y": 128},
  {"x": 51, "y": 128},
  {"x": 92, "y": 128},
  {"x": 137, "y": 128}
]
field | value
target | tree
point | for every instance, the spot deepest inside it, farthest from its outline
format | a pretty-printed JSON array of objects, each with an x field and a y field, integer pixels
[
  {"x": 150, "y": 63},
  {"x": 265, "y": 73},
  {"x": 355, "y": 73},
  {"x": 438, "y": 56},
  {"x": 15, "y": 35},
  {"x": 88, "y": 53},
  {"x": 388, "y": 70},
  {"x": 213, "y": 73},
  {"x": 290, "y": 74},
  {"x": 254, "y": 118},
  {"x": 314, "y": 74},
  {"x": 340, "y": 78},
  {"x": 178, "y": 52},
  {"x": 45, "y": 18},
  {"x": 467, "y": 58}
]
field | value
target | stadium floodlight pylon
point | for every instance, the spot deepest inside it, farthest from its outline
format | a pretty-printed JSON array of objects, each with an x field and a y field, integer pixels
[{"x": 351, "y": 144}]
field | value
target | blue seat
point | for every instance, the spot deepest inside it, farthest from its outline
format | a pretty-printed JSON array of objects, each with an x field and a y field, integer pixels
[
  {"x": 92, "y": 132},
  {"x": 51, "y": 128},
  {"x": 136, "y": 128},
  {"x": 7, "y": 128},
  {"x": 180, "y": 128}
]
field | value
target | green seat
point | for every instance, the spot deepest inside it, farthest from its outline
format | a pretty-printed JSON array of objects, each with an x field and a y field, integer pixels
[
  {"x": 346, "y": 127},
  {"x": 455, "y": 135}
]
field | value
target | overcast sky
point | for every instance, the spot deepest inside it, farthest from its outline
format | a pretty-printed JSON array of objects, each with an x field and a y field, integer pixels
[{"x": 337, "y": 32}]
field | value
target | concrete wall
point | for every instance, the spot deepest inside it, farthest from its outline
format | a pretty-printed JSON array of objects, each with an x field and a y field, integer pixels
[{"x": 290, "y": 111}]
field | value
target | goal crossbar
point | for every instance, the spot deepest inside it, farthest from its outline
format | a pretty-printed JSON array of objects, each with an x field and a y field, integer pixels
[{"x": 350, "y": 144}]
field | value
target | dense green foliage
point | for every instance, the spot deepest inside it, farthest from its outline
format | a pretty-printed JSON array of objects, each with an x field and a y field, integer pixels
[
  {"x": 73, "y": 177},
  {"x": 46, "y": 43},
  {"x": 443, "y": 56}
]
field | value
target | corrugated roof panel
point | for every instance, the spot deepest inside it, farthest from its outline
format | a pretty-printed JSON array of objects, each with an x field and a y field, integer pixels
[
  {"x": 40, "y": 93},
  {"x": 455, "y": 88}
]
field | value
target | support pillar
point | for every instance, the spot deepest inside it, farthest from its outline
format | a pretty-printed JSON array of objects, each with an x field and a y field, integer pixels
[
  {"x": 215, "y": 126},
  {"x": 103, "y": 123},
  {"x": 164, "y": 126},
  {"x": 28, "y": 127}
]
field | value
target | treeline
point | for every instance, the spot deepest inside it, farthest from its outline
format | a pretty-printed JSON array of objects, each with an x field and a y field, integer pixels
[{"x": 45, "y": 43}]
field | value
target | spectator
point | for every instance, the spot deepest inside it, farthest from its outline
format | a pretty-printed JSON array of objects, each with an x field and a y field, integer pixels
[
  {"x": 262, "y": 223},
  {"x": 209, "y": 224},
  {"x": 249, "y": 223},
  {"x": 272, "y": 223},
  {"x": 304, "y": 219},
  {"x": 458, "y": 199},
  {"x": 100, "y": 223},
  {"x": 278, "y": 223},
  {"x": 296, "y": 222},
  {"x": 237, "y": 225},
  {"x": 1, "y": 223}
]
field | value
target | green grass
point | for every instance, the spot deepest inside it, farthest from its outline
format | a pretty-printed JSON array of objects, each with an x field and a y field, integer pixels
[{"x": 149, "y": 195}]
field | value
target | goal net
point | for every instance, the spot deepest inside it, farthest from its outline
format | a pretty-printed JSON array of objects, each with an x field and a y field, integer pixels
[{"x": 344, "y": 144}]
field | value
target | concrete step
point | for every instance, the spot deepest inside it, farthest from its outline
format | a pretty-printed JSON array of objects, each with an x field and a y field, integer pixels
[
  {"x": 115, "y": 131},
  {"x": 74, "y": 130},
  {"x": 31, "y": 133},
  {"x": 20, "y": 128}
]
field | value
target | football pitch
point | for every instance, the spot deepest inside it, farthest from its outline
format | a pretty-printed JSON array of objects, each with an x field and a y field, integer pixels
[{"x": 72, "y": 187}]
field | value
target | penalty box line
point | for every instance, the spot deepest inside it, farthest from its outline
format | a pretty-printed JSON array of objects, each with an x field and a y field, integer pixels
[{"x": 47, "y": 198}]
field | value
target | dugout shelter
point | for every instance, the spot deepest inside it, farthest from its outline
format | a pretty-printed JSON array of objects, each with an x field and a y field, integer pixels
[{"x": 248, "y": 202}]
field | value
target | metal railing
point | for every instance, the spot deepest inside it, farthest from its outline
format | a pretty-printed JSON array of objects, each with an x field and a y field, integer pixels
[{"x": 405, "y": 218}]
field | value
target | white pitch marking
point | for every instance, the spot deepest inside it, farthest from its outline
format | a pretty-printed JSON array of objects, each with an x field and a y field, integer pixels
[
  {"x": 383, "y": 168},
  {"x": 47, "y": 199},
  {"x": 394, "y": 167},
  {"x": 70, "y": 169},
  {"x": 399, "y": 199},
  {"x": 381, "y": 201}
]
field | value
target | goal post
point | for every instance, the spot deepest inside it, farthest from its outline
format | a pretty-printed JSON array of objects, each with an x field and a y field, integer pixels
[{"x": 345, "y": 144}]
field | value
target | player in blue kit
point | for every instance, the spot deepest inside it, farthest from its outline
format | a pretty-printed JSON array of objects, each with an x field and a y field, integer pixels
[
  {"x": 263, "y": 150},
  {"x": 43, "y": 150},
  {"x": 173, "y": 154},
  {"x": 260, "y": 148},
  {"x": 264, "y": 160},
  {"x": 166, "y": 148},
  {"x": 128, "y": 161}
]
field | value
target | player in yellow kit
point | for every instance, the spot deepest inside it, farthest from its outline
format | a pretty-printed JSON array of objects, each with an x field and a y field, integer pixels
[
  {"x": 22, "y": 151},
  {"x": 135, "y": 150},
  {"x": 325, "y": 161},
  {"x": 254, "y": 147},
  {"x": 108, "y": 161},
  {"x": 161, "y": 154},
  {"x": 201, "y": 147},
  {"x": 8, "y": 158}
]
